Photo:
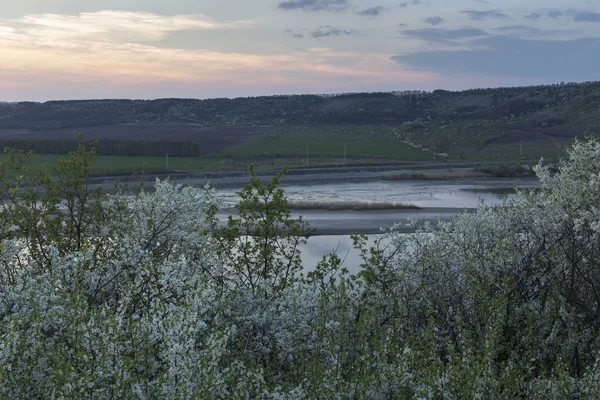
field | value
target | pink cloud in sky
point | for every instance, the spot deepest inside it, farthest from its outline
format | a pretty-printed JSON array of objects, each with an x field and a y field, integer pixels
[{"x": 112, "y": 54}]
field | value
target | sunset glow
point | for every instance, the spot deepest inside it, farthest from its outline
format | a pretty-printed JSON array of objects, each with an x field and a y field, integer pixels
[{"x": 148, "y": 53}]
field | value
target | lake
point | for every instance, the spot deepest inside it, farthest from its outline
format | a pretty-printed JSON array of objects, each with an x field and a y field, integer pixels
[
  {"x": 435, "y": 197},
  {"x": 436, "y": 194}
]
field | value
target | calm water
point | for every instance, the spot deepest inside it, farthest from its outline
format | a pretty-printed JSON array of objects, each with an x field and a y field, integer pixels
[
  {"x": 455, "y": 194},
  {"x": 424, "y": 194},
  {"x": 318, "y": 246}
]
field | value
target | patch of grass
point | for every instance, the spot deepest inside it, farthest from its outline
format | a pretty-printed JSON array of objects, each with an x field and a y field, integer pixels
[
  {"x": 121, "y": 165},
  {"x": 124, "y": 164},
  {"x": 533, "y": 149},
  {"x": 298, "y": 163},
  {"x": 296, "y": 146},
  {"x": 436, "y": 175},
  {"x": 505, "y": 170},
  {"x": 499, "y": 140}
]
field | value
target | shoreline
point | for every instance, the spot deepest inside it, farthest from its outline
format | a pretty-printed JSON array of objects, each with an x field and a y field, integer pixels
[
  {"x": 368, "y": 222},
  {"x": 448, "y": 172}
]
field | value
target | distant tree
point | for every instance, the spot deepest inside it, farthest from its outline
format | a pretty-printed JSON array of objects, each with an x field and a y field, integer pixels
[{"x": 260, "y": 245}]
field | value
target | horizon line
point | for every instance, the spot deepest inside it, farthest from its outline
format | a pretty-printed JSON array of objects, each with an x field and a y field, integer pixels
[{"x": 327, "y": 94}]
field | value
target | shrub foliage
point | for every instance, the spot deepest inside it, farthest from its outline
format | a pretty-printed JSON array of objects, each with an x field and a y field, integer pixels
[{"x": 136, "y": 294}]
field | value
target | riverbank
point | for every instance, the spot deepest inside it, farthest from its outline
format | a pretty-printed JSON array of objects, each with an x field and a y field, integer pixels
[
  {"x": 347, "y": 222},
  {"x": 462, "y": 172}
]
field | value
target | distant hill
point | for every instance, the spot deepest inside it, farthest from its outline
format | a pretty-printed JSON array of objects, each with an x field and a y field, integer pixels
[
  {"x": 550, "y": 105},
  {"x": 471, "y": 120}
]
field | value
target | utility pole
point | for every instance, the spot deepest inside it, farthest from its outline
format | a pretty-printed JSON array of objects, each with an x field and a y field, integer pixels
[
  {"x": 307, "y": 155},
  {"x": 521, "y": 148}
]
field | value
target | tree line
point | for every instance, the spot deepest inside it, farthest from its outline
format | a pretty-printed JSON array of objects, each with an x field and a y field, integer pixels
[
  {"x": 359, "y": 108},
  {"x": 109, "y": 147}
]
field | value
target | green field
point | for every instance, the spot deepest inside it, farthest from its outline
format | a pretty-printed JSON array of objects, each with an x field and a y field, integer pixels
[
  {"x": 117, "y": 165},
  {"x": 530, "y": 150},
  {"x": 336, "y": 145},
  {"x": 296, "y": 146}
]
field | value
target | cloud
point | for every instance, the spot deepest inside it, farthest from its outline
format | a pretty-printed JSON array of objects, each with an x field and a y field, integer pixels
[
  {"x": 548, "y": 13},
  {"x": 586, "y": 16},
  {"x": 481, "y": 15},
  {"x": 328, "y": 30},
  {"x": 533, "y": 16},
  {"x": 444, "y": 35},
  {"x": 524, "y": 30},
  {"x": 372, "y": 12},
  {"x": 410, "y": 3},
  {"x": 314, "y": 5},
  {"x": 554, "y": 13},
  {"x": 7, "y": 31},
  {"x": 508, "y": 56},
  {"x": 101, "y": 69},
  {"x": 434, "y": 20},
  {"x": 112, "y": 25},
  {"x": 295, "y": 34},
  {"x": 115, "y": 54}
]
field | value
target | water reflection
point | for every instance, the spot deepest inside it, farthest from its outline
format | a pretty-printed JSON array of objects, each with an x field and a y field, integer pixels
[
  {"x": 318, "y": 246},
  {"x": 426, "y": 194},
  {"x": 454, "y": 194}
]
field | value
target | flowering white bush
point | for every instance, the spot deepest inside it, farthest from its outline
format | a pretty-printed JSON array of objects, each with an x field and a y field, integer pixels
[{"x": 133, "y": 296}]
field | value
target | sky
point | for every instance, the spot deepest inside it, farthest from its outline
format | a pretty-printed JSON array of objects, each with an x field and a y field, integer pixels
[{"x": 89, "y": 49}]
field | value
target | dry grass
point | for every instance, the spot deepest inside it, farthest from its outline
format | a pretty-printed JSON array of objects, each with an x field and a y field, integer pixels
[
  {"x": 350, "y": 206},
  {"x": 436, "y": 175}
]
